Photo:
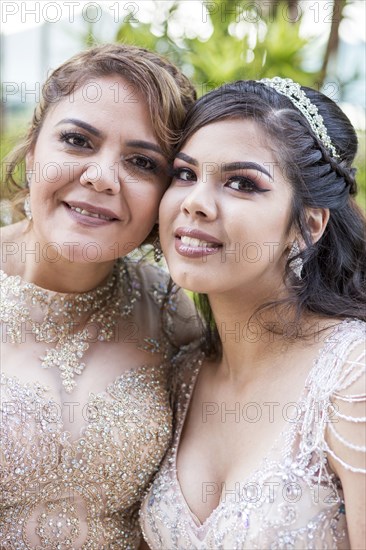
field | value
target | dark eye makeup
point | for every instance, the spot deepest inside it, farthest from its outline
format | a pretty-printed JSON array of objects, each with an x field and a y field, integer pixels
[
  {"x": 183, "y": 174},
  {"x": 244, "y": 184},
  {"x": 239, "y": 183}
]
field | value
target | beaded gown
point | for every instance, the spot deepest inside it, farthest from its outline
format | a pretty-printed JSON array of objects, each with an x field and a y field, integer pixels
[
  {"x": 293, "y": 500},
  {"x": 77, "y": 456}
]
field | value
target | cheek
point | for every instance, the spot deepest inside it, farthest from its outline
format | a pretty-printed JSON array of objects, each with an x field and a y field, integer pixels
[
  {"x": 166, "y": 219},
  {"x": 52, "y": 174},
  {"x": 41, "y": 195},
  {"x": 144, "y": 210},
  {"x": 152, "y": 200},
  {"x": 50, "y": 177},
  {"x": 169, "y": 206},
  {"x": 163, "y": 210}
]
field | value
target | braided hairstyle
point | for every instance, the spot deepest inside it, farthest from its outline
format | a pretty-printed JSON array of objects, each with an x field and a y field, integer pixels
[{"x": 333, "y": 275}]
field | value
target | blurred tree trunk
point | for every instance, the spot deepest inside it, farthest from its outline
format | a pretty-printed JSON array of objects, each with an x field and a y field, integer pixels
[
  {"x": 333, "y": 40},
  {"x": 292, "y": 12}
]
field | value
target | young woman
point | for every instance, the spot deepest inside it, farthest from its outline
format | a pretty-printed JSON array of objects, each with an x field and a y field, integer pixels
[
  {"x": 260, "y": 220},
  {"x": 84, "y": 387}
]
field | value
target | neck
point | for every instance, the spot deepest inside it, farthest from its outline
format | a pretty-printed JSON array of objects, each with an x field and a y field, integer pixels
[
  {"x": 67, "y": 277},
  {"x": 26, "y": 259},
  {"x": 247, "y": 341}
]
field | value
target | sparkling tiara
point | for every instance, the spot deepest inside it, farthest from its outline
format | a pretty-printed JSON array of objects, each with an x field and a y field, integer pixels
[{"x": 293, "y": 91}]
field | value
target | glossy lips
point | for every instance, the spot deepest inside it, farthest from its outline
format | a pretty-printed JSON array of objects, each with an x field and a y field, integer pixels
[{"x": 194, "y": 243}]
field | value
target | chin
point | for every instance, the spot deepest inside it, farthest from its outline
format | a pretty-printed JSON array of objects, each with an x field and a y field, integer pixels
[
  {"x": 81, "y": 254},
  {"x": 189, "y": 281}
]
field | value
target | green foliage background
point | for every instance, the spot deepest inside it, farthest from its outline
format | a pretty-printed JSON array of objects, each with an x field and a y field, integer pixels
[{"x": 269, "y": 45}]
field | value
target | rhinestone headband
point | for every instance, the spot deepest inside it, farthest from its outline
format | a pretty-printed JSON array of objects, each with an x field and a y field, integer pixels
[{"x": 292, "y": 90}]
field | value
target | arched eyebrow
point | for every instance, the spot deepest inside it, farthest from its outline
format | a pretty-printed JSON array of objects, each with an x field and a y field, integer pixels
[
  {"x": 187, "y": 158},
  {"x": 83, "y": 125},
  {"x": 99, "y": 134},
  {"x": 145, "y": 145},
  {"x": 231, "y": 166}
]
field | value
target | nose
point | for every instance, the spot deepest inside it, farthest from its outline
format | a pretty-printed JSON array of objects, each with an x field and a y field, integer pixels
[
  {"x": 200, "y": 202},
  {"x": 102, "y": 177}
]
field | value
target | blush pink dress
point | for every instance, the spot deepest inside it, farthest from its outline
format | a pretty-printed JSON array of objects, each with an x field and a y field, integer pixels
[{"x": 292, "y": 500}]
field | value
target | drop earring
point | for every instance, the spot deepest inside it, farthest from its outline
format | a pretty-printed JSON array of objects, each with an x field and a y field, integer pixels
[
  {"x": 158, "y": 253},
  {"x": 297, "y": 264}
]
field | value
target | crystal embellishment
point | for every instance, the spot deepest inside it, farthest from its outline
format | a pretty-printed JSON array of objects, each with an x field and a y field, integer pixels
[
  {"x": 99, "y": 309},
  {"x": 292, "y": 90}
]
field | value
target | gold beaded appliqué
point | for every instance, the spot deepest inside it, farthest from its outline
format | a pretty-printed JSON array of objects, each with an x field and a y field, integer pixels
[{"x": 98, "y": 311}]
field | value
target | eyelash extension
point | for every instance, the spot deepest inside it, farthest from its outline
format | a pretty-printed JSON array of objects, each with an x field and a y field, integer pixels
[
  {"x": 255, "y": 188},
  {"x": 174, "y": 172}
]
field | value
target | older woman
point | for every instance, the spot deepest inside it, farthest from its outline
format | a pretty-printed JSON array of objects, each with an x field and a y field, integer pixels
[
  {"x": 269, "y": 449},
  {"x": 85, "y": 343}
]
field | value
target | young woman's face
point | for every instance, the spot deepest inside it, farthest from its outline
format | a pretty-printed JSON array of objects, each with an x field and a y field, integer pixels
[
  {"x": 224, "y": 219},
  {"x": 97, "y": 173}
]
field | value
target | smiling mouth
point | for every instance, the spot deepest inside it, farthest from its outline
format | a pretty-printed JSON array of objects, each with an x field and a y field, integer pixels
[
  {"x": 197, "y": 243},
  {"x": 87, "y": 213}
]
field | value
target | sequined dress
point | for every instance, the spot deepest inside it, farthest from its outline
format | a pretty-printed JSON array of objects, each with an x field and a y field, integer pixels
[
  {"x": 73, "y": 468},
  {"x": 293, "y": 500}
]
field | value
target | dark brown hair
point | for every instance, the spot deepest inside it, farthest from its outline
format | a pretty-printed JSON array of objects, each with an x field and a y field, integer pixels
[{"x": 333, "y": 274}]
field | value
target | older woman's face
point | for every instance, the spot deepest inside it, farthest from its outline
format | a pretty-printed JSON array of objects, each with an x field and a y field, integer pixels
[
  {"x": 224, "y": 219},
  {"x": 97, "y": 173}
]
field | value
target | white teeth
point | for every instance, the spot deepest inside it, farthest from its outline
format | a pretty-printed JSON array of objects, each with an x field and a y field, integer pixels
[
  {"x": 197, "y": 243},
  {"x": 87, "y": 213},
  {"x": 190, "y": 241}
]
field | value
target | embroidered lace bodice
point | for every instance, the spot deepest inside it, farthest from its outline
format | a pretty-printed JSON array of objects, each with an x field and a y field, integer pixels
[
  {"x": 292, "y": 500},
  {"x": 73, "y": 466}
]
